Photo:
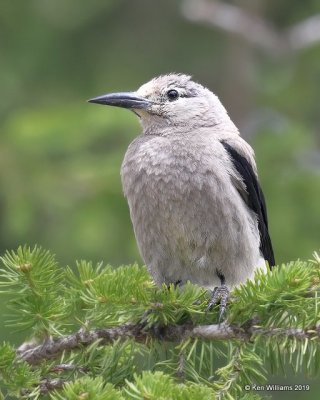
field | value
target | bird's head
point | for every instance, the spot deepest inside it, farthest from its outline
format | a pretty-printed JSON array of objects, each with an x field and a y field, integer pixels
[{"x": 168, "y": 101}]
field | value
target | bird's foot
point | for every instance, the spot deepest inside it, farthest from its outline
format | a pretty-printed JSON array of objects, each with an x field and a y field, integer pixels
[{"x": 219, "y": 294}]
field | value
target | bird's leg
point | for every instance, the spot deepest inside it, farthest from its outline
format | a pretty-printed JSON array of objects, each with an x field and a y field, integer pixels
[
  {"x": 177, "y": 283},
  {"x": 220, "y": 294},
  {"x": 174, "y": 284}
]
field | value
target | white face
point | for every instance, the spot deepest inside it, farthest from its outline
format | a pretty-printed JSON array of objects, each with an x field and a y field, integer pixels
[
  {"x": 178, "y": 101},
  {"x": 171, "y": 102}
]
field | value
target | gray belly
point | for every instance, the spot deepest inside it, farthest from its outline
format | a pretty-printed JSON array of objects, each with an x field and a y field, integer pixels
[
  {"x": 193, "y": 231},
  {"x": 189, "y": 220}
]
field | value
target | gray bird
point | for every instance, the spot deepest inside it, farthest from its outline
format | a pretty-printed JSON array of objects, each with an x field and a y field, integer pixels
[{"x": 191, "y": 182}]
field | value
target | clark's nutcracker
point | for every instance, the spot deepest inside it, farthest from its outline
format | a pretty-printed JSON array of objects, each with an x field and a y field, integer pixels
[{"x": 191, "y": 182}]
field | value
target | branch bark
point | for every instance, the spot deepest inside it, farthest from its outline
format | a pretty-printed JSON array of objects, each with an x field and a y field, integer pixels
[
  {"x": 253, "y": 29},
  {"x": 172, "y": 333}
]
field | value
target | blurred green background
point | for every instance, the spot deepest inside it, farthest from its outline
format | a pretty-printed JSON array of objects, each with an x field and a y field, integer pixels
[{"x": 60, "y": 157}]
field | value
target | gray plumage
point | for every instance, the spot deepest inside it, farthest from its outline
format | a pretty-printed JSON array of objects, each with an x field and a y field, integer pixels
[{"x": 191, "y": 181}]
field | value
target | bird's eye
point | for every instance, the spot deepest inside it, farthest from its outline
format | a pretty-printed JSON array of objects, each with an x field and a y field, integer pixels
[{"x": 172, "y": 94}]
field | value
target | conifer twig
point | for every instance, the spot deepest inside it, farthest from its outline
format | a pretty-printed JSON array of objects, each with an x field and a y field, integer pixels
[
  {"x": 68, "y": 367},
  {"x": 172, "y": 333},
  {"x": 47, "y": 385}
]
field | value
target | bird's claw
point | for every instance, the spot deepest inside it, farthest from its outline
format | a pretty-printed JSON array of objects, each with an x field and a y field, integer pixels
[{"x": 219, "y": 294}]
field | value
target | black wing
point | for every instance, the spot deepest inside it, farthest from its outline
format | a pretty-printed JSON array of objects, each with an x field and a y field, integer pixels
[{"x": 254, "y": 199}]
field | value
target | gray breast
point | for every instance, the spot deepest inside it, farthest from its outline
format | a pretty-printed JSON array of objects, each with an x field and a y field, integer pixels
[{"x": 189, "y": 220}]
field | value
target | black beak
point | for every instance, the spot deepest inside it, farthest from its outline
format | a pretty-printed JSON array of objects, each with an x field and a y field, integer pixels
[{"x": 125, "y": 100}]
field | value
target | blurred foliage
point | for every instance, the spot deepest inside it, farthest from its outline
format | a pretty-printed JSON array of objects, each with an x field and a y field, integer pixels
[{"x": 60, "y": 157}]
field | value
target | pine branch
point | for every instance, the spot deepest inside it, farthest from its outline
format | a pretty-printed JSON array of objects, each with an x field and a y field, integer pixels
[
  {"x": 171, "y": 333},
  {"x": 68, "y": 367},
  {"x": 129, "y": 326},
  {"x": 47, "y": 385}
]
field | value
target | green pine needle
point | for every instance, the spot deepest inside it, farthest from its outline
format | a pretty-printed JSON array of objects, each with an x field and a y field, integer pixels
[{"x": 278, "y": 311}]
